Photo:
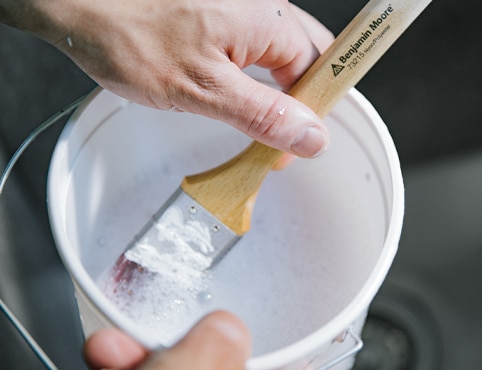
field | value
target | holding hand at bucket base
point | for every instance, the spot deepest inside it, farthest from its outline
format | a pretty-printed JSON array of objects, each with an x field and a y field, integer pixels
[
  {"x": 188, "y": 55},
  {"x": 218, "y": 342}
]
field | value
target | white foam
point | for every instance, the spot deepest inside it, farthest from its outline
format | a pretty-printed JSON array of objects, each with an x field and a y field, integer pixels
[
  {"x": 285, "y": 279},
  {"x": 174, "y": 282},
  {"x": 170, "y": 241}
]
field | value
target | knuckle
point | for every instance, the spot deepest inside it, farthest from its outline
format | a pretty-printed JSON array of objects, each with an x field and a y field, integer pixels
[
  {"x": 198, "y": 89},
  {"x": 267, "y": 120}
]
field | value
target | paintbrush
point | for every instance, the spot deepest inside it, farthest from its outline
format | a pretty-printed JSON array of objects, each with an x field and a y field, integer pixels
[{"x": 210, "y": 211}]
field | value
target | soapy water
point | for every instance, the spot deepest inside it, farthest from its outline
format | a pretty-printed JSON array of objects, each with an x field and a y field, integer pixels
[
  {"x": 162, "y": 277},
  {"x": 275, "y": 278},
  {"x": 161, "y": 303},
  {"x": 266, "y": 280},
  {"x": 285, "y": 279}
]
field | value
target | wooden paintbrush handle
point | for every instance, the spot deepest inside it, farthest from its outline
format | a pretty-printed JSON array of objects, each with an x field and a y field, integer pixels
[
  {"x": 229, "y": 191},
  {"x": 358, "y": 47}
]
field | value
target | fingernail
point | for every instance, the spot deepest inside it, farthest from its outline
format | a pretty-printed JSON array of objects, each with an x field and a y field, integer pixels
[
  {"x": 230, "y": 330},
  {"x": 310, "y": 142}
]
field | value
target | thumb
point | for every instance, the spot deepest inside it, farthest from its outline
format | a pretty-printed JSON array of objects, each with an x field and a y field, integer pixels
[
  {"x": 220, "y": 341},
  {"x": 265, "y": 114}
]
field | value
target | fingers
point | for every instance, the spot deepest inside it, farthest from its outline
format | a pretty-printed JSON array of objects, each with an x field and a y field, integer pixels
[
  {"x": 113, "y": 349},
  {"x": 284, "y": 161},
  {"x": 319, "y": 35},
  {"x": 321, "y": 38},
  {"x": 309, "y": 39},
  {"x": 263, "y": 113},
  {"x": 189, "y": 56},
  {"x": 220, "y": 341}
]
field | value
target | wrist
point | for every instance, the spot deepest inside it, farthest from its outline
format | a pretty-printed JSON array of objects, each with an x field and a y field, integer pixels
[{"x": 46, "y": 19}]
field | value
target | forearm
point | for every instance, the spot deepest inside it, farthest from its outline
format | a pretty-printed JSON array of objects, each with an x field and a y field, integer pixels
[
  {"x": 190, "y": 55},
  {"x": 46, "y": 19},
  {"x": 23, "y": 14}
]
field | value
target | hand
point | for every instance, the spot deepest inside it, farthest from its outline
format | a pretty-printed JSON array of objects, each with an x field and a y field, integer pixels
[
  {"x": 218, "y": 342},
  {"x": 188, "y": 55}
]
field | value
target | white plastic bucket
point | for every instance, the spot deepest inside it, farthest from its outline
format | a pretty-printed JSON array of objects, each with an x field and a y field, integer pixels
[{"x": 339, "y": 217}]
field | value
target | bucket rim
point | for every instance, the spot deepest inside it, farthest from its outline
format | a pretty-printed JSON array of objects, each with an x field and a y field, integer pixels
[
  {"x": 288, "y": 354},
  {"x": 357, "y": 306}
]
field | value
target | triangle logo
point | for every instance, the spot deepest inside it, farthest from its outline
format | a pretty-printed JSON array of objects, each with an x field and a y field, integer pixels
[{"x": 337, "y": 69}]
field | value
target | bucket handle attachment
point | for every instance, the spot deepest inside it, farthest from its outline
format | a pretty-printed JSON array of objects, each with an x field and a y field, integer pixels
[{"x": 357, "y": 346}]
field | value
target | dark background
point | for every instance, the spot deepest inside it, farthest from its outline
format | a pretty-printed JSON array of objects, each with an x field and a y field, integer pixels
[{"x": 428, "y": 314}]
